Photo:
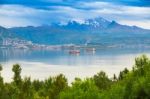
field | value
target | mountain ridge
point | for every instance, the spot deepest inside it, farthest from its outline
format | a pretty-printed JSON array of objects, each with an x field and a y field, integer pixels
[{"x": 98, "y": 30}]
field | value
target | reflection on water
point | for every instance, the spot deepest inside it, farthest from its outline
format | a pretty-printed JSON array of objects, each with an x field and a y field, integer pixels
[{"x": 41, "y": 64}]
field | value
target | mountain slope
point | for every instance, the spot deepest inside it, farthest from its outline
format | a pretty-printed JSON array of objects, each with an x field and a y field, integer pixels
[
  {"x": 5, "y": 34},
  {"x": 96, "y": 30}
]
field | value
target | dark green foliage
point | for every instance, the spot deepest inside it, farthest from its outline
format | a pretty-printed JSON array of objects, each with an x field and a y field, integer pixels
[
  {"x": 123, "y": 73},
  {"x": 1, "y": 83},
  {"x": 114, "y": 78},
  {"x": 17, "y": 77},
  {"x": 59, "y": 84},
  {"x": 102, "y": 81},
  {"x": 134, "y": 84},
  {"x": 85, "y": 89},
  {"x": 1, "y": 68}
]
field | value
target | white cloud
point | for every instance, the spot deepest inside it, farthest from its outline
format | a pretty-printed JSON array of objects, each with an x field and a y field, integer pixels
[
  {"x": 130, "y": 15},
  {"x": 144, "y": 24},
  {"x": 17, "y": 15},
  {"x": 108, "y": 8},
  {"x": 9, "y": 22}
]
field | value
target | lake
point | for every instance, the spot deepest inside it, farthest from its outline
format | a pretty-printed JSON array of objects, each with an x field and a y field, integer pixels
[{"x": 40, "y": 64}]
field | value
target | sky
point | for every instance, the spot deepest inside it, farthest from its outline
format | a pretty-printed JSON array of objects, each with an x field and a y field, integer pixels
[{"x": 14, "y": 13}]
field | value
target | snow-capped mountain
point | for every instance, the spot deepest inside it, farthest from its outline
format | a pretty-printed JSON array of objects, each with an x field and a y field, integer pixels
[
  {"x": 97, "y": 22},
  {"x": 98, "y": 30}
]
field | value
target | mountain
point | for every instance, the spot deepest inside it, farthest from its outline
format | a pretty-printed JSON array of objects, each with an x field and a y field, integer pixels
[
  {"x": 98, "y": 30},
  {"x": 11, "y": 40},
  {"x": 4, "y": 34},
  {"x": 97, "y": 22}
]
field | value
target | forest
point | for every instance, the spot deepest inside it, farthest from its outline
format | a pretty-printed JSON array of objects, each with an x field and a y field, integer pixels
[{"x": 129, "y": 84}]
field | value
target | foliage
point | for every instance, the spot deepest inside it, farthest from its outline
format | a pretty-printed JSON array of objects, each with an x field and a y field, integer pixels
[{"x": 134, "y": 84}]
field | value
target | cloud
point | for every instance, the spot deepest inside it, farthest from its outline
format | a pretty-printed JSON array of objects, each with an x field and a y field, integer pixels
[
  {"x": 121, "y": 13},
  {"x": 141, "y": 3},
  {"x": 20, "y": 15},
  {"x": 144, "y": 23},
  {"x": 73, "y": 2},
  {"x": 16, "y": 15}
]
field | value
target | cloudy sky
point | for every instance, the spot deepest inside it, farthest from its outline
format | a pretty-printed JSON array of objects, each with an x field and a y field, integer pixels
[{"x": 44, "y": 12}]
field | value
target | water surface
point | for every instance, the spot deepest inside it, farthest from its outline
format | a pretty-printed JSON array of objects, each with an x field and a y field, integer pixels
[{"x": 40, "y": 64}]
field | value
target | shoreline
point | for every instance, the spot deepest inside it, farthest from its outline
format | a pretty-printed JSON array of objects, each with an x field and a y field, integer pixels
[{"x": 42, "y": 71}]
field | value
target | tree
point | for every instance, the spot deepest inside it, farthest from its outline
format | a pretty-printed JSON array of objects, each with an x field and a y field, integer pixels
[
  {"x": 102, "y": 81},
  {"x": 123, "y": 73},
  {"x": 59, "y": 84},
  {"x": 81, "y": 89},
  {"x": 26, "y": 89},
  {"x": 17, "y": 74},
  {"x": 114, "y": 78},
  {"x": 1, "y": 78},
  {"x": 1, "y": 82},
  {"x": 134, "y": 84},
  {"x": 140, "y": 63},
  {"x": 1, "y": 68}
]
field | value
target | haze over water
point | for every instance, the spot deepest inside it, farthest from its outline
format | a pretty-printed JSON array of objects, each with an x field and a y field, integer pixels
[{"x": 42, "y": 64}]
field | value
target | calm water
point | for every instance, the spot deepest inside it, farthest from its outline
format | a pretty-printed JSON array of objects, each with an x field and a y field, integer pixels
[{"x": 42, "y": 64}]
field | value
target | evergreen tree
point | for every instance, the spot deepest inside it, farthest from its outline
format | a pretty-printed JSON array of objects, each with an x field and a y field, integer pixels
[{"x": 17, "y": 74}]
